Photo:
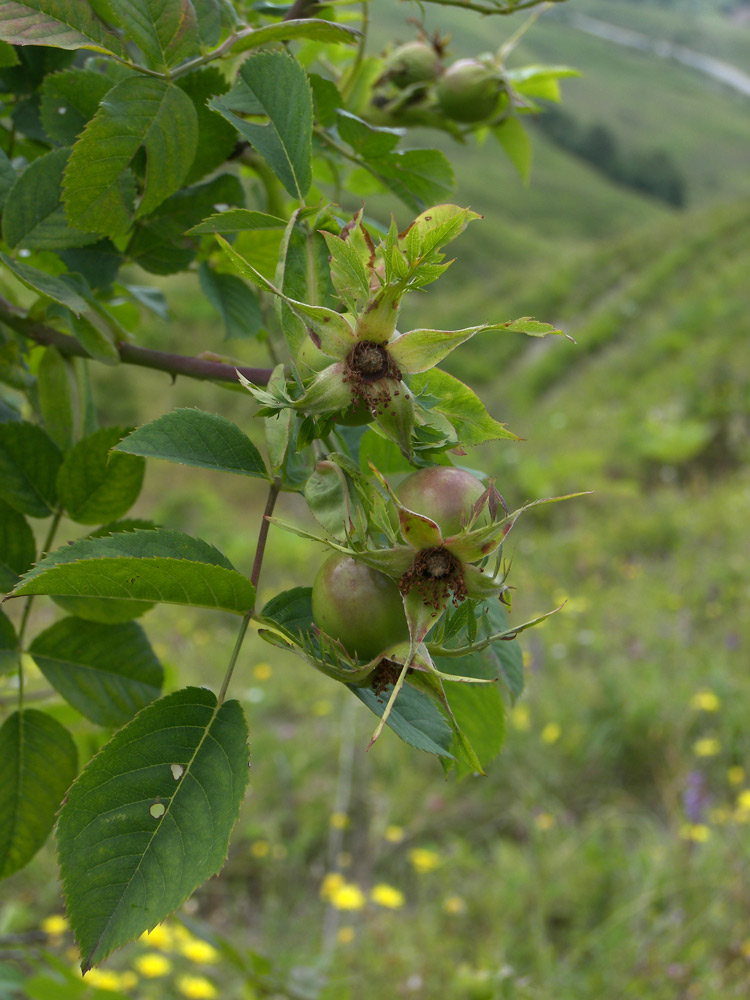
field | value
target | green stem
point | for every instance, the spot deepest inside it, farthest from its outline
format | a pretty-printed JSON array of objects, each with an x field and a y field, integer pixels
[
  {"x": 29, "y": 602},
  {"x": 273, "y": 494},
  {"x": 347, "y": 86}
]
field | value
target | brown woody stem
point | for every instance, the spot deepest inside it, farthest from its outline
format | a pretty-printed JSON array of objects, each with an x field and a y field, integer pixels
[{"x": 131, "y": 354}]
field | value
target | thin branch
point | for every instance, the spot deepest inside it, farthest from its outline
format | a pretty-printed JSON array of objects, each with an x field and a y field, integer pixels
[
  {"x": 260, "y": 548},
  {"x": 131, "y": 354}
]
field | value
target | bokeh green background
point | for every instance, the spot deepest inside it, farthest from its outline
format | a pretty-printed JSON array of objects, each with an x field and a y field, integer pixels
[{"x": 606, "y": 852}]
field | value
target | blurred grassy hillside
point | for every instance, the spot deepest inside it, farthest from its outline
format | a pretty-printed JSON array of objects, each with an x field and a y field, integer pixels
[{"x": 606, "y": 853}]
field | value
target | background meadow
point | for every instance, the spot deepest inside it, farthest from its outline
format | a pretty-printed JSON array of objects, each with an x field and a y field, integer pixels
[{"x": 606, "y": 852}]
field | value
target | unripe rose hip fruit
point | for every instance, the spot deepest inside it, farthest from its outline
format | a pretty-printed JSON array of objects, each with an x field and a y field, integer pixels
[
  {"x": 414, "y": 62},
  {"x": 468, "y": 91},
  {"x": 444, "y": 494},
  {"x": 359, "y": 606}
]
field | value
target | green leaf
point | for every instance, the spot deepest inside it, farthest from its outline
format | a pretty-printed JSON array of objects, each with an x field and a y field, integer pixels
[
  {"x": 531, "y": 327},
  {"x": 7, "y": 177},
  {"x": 434, "y": 228},
  {"x": 95, "y": 486},
  {"x": 236, "y": 220},
  {"x": 98, "y": 264},
  {"x": 107, "y": 672},
  {"x": 330, "y": 501},
  {"x": 99, "y": 343},
  {"x": 312, "y": 28},
  {"x": 194, "y": 437},
  {"x": 64, "y": 24},
  {"x": 514, "y": 139},
  {"x": 159, "y": 244},
  {"x": 69, "y": 101},
  {"x": 8, "y": 55},
  {"x": 148, "y": 819},
  {"x": 419, "y": 177},
  {"x": 9, "y": 647},
  {"x": 418, "y": 350},
  {"x": 477, "y": 708},
  {"x": 275, "y": 85},
  {"x": 38, "y": 760},
  {"x": 291, "y": 610},
  {"x": 208, "y": 13},
  {"x": 367, "y": 140},
  {"x": 54, "y": 287},
  {"x": 138, "y": 113},
  {"x": 34, "y": 215},
  {"x": 56, "y": 385},
  {"x": 216, "y": 137},
  {"x": 237, "y": 304},
  {"x": 326, "y": 99},
  {"x": 108, "y": 611},
  {"x": 17, "y": 546},
  {"x": 150, "y": 566},
  {"x": 462, "y": 407},
  {"x": 29, "y": 460},
  {"x": 350, "y": 267},
  {"x": 166, "y": 31},
  {"x": 414, "y": 718}
]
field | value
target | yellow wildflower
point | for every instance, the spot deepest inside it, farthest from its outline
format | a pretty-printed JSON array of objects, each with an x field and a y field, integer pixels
[
  {"x": 454, "y": 905},
  {"x": 332, "y": 882},
  {"x": 520, "y": 718},
  {"x": 708, "y": 746},
  {"x": 544, "y": 821},
  {"x": 745, "y": 949},
  {"x": 705, "y": 701},
  {"x": 339, "y": 821},
  {"x": 161, "y": 937},
  {"x": 262, "y": 671},
  {"x": 197, "y": 988},
  {"x": 55, "y": 925},
  {"x": 200, "y": 952},
  {"x": 736, "y": 774},
  {"x": 424, "y": 860},
  {"x": 697, "y": 832},
  {"x": 345, "y": 935},
  {"x": 348, "y": 897},
  {"x": 152, "y": 966},
  {"x": 101, "y": 979},
  {"x": 394, "y": 834},
  {"x": 260, "y": 848},
  {"x": 387, "y": 896},
  {"x": 743, "y": 800},
  {"x": 551, "y": 733},
  {"x": 322, "y": 707}
]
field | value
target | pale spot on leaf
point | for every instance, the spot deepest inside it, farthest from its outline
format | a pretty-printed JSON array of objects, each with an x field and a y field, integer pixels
[
  {"x": 177, "y": 771},
  {"x": 62, "y": 111},
  {"x": 157, "y": 810}
]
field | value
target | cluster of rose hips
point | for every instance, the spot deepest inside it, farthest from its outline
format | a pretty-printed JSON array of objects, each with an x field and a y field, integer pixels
[
  {"x": 415, "y": 81},
  {"x": 363, "y": 608}
]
